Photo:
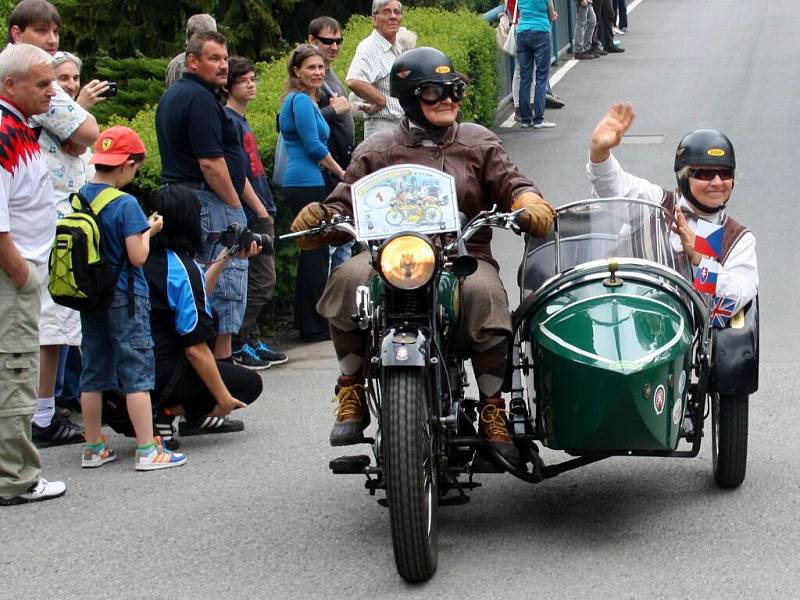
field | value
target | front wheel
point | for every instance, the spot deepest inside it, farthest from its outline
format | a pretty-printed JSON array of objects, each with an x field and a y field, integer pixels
[
  {"x": 410, "y": 471},
  {"x": 729, "y": 421}
]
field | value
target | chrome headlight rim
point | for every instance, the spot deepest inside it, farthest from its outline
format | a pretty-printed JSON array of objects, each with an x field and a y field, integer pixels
[{"x": 388, "y": 242}]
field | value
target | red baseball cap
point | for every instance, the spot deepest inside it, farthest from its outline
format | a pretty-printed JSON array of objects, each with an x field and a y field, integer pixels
[{"x": 115, "y": 145}]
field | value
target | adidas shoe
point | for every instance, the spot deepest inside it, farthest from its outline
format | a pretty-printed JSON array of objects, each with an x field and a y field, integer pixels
[
  {"x": 272, "y": 356},
  {"x": 97, "y": 457},
  {"x": 247, "y": 357},
  {"x": 158, "y": 458},
  {"x": 210, "y": 425},
  {"x": 61, "y": 431},
  {"x": 163, "y": 427}
]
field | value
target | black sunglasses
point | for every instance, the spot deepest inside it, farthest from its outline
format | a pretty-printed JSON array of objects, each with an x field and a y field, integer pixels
[
  {"x": 330, "y": 41},
  {"x": 431, "y": 93},
  {"x": 709, "y": 174}
]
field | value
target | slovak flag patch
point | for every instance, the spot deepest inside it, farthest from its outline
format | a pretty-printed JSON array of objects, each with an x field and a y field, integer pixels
[
  {"x": 708, "y": 238},
  {"x": 721, "y": 311},
  {"x": 705, "y": 276}
]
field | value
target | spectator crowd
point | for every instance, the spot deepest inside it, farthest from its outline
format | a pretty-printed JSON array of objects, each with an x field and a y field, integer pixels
[{"x": 178, "y": 340}]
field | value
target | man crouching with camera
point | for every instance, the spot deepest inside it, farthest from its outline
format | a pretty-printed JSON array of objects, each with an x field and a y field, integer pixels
[{"x": 190, "y": 382}]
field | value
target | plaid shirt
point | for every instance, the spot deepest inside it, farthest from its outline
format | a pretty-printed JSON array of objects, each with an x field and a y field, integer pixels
[{"x": 372, "y": 64}]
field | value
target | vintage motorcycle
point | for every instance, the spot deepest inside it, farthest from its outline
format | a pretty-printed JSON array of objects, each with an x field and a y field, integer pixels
[{"x": 611, "y": 354}]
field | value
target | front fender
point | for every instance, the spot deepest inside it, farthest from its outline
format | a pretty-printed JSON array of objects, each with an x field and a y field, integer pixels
[
  {"x": 734, "y": 355},
  {"x": 405, "y": 348}
]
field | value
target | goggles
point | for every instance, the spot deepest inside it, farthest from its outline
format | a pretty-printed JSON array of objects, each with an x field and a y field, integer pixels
[
  {"x": 330, "y": 41},
  {"x": 431, "y": 93},
  {"x": 709, "y": 174}
]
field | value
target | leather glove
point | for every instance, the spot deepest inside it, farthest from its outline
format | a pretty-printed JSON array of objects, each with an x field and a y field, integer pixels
[
  {"x": 538, "y": 216},
  {"x": 309, "y": 217}
]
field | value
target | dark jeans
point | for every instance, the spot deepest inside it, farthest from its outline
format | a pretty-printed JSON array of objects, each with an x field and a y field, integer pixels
[
  {"x": 260, "y": 282},
  {"x": 191, "y": 393},
  {"x": 534, "y": 49},
  {"x": 312, "y": 269},
  {"x": 621, "y": 8},
  {"x": 604, "y": 11}
]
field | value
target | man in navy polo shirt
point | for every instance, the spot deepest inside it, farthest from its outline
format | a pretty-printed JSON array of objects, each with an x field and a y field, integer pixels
[{"x": 200, "y": 149}]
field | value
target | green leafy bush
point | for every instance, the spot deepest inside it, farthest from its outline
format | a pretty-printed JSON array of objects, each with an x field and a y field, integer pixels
[{"x": 140, "y": 82}]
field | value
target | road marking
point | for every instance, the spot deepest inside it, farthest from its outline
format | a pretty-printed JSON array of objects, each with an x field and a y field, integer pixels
[{"x": 558, "y": 75}]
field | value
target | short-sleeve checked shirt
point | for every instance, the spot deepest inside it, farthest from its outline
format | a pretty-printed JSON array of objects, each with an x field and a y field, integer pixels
[{"x": 372, "y": 64}]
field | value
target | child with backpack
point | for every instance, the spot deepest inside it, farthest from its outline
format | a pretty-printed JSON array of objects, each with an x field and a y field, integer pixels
[{"x": 117, "y": 347}]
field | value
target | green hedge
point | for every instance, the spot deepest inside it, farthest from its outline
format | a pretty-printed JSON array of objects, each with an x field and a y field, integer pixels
[{"x": 466, "y": 38}]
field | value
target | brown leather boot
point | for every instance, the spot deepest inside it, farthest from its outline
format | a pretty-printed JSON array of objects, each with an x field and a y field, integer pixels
[
  {"x": 352, "y": 415},
  {"x": 493, "y": 428}
]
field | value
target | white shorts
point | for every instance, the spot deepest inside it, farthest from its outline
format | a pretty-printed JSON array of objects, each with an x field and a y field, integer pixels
[{"x": 58, "y": 325}]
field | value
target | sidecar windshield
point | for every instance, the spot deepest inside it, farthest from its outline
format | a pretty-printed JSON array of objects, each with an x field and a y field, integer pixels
[{"x": 602, "y": 228}]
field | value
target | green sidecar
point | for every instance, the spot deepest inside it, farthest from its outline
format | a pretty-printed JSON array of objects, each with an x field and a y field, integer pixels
[{"x": 616, "y": 346}]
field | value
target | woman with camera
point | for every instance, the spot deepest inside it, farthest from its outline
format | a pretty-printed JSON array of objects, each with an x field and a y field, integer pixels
[
  {"x": 190, "y": 382},
  {"x": 305, "y": 133}
]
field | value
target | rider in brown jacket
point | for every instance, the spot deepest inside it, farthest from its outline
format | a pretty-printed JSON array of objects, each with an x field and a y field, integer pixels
[{"x": 430, "y": 92}]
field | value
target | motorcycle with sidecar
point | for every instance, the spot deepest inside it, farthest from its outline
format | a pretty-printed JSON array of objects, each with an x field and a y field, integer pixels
[{"x": 612, "y": 354}]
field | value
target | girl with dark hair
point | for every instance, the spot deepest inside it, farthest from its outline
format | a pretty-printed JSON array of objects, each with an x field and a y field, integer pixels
[
  {"x": 305, "y": 135},
  {"x": 189, "y": 381}
]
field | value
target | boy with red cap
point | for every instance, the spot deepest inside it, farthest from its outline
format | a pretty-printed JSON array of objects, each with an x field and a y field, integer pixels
[{"x": 117, "y": 347}]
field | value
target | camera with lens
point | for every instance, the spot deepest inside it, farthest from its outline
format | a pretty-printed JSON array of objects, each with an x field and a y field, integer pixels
[{"x": 238, "y": 237}]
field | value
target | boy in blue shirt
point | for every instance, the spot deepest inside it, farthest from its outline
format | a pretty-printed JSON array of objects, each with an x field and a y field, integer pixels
[{"x": 117, "y": 347}]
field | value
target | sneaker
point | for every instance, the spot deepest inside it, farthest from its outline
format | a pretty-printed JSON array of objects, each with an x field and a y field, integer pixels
[
  {"x": 272, "y": 356},
  {"x": 526, "y": 125},
  {"x": 352, "y": 416},
  {"x": 210, "y": 425},
  {"x": 163, "y": 427},
  {"x": 583, "y": 56},
  {"x": 41, "y": 490},
  {"x": 493, "y": 429},
  {"x": 544, "y": 125},
  {"x": 97, "y": 457},
  {"x": 553, "y": 101},
  {"x": 615, "y": 49},
  {"x": 617, "y": 30},
  {"x": 60, "y": 432},
  {"x": 247, "y": 357},
  {"x": 158, "y": 458}
]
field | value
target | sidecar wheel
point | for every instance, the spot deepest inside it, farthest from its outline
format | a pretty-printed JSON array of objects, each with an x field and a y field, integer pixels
[
  {"x": 411, "y": 475},
  {"x": 729, "y": 421}
]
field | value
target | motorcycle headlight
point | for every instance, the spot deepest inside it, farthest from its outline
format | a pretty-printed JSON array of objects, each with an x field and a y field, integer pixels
[{"x": 407, "y": 262}]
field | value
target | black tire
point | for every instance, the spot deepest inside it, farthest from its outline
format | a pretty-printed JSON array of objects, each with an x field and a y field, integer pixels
[
  {"x": 410, "y": 472},
  {"x": 729, "y": 422}
]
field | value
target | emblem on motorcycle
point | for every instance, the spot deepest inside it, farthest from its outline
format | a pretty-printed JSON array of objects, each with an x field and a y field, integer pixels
[
  {"x": 659, "y": 399},
  {"x": 401, "y": 353},
  {"x": 676, "y": 411}
]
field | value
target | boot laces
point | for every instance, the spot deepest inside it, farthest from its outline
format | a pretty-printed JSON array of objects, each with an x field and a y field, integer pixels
[
  {"x": 349, "y": 399},
  {"x": 495, "y": 423}
]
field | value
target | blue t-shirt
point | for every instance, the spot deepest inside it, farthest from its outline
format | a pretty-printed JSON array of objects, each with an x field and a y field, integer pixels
[
  {"x": 191, "y": 123},
  {"x": 120, "y": 219},
  {"x": 255, "y": 168},
  {"x": 305, "y": 138},
  {"x": 533, "y": 15}
]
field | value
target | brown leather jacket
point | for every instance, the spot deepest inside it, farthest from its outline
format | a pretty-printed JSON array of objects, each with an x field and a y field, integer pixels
[{"x": 472, "y": 154}]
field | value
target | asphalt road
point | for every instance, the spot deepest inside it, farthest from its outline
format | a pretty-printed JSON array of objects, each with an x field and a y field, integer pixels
[{"x": 257, "y": 514}]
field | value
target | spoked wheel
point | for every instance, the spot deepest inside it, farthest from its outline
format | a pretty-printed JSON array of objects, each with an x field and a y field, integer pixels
[
  {"x": 411, "y": 476},
  {"x": 729, "y": 419}
]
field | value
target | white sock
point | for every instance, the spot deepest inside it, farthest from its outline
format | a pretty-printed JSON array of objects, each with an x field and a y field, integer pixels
[{"x": 45, "y": 411}]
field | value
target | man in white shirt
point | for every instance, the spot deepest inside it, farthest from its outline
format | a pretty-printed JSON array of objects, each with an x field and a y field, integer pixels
[
  {"x": 27, "y": 227},
  {"x": 705, "y": 167},
  {"x": 368, "y": 75}
]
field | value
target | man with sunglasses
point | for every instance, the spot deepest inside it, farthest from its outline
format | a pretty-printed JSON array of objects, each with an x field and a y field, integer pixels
[
  {"x": 704, "y": 167},
  {"x": 430, "y": 91},
  {"x": 368, "y": 75}
]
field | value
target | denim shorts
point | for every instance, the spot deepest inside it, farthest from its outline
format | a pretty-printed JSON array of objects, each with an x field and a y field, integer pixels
[
  {"x": 230, "y": 296},
  {"x": 118, "y": 349}
]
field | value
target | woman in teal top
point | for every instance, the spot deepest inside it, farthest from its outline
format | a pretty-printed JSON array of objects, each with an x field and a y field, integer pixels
[
  {"x": 305, "y": 135},
  {"x": 534, "y": 49}
]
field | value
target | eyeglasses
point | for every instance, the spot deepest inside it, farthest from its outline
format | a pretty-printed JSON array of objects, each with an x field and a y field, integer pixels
[
  {"x": 330, "y": 41},
  {"x": 431, "y": 93},
  {"x": 709, "y": 174}
]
